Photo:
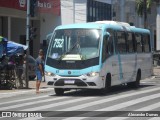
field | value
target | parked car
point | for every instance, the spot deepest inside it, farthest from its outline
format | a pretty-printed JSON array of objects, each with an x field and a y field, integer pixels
[{"x": 31, "y": 67}]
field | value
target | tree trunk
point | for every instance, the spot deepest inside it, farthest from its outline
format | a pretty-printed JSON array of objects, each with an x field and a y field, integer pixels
[{"x": 158, "y": 28}]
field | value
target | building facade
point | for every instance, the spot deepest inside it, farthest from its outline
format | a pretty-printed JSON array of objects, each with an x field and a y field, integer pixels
[
  {"x": 51, "y": 13},
  {"x": 125, "y": 10}
]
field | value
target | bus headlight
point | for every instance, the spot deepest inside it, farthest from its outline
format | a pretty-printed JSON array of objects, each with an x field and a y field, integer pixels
[
  {"x": 92, "y": 74},
  {"x": 49, "y": 74}
]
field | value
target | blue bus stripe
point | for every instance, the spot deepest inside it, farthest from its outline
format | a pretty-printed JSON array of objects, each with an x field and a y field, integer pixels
[{"x": 120, "y": 66}]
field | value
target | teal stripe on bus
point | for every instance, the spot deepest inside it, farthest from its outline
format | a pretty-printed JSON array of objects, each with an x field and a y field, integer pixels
[{"x": 120, "y": 67}]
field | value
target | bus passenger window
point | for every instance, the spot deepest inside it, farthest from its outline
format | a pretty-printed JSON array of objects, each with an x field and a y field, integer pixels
[
  {"x": 146, "y": 42},
  {"x": 121, "y": 42},
  {"x": 110, "y": 46},
  {"x": 130, "y": 44},
  {"x": 138, "y": 38}
]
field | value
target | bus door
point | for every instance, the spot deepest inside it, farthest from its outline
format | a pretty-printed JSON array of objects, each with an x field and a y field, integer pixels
[
  {"x": 113, "y": 64},
  {"x": 121, "y": 55}
]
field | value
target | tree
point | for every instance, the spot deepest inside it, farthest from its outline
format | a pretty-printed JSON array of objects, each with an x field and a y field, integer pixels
[{"x": 142, "y": 7}]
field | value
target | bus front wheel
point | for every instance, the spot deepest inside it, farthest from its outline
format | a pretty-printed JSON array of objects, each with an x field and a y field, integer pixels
[
  {"x": 59, "y": 91},
  {"x": 107, "y": 84}
]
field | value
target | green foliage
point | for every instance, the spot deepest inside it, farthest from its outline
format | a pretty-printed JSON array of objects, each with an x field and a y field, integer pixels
[
  {"x": 140, "y": 6},
  {"x": 149, "y": 3}
]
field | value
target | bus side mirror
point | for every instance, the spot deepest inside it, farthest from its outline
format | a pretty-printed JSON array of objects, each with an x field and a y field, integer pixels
[{"x": 106, "y": 35}]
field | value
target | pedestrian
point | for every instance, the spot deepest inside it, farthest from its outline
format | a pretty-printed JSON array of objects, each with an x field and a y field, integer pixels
[{"x": 39, "y": 69}]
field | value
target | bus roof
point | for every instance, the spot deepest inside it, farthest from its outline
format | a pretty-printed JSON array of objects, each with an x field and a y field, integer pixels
[
  {"x": 81, "y": 25},
  {"x": 105, "y": 24}
]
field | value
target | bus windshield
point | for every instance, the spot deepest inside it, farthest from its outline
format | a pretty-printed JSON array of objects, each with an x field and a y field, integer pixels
[{"x": 83, "y": 42}]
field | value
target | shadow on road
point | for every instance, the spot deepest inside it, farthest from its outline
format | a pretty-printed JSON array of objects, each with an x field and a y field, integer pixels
[{"x": 92, "y": 92}]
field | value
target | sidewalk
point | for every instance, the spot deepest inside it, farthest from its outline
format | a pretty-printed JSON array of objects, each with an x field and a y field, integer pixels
[
  {"x": 156, "y": 71},
  {"x": 32, "y": 88},
  {"x": 32, "y": 84}
]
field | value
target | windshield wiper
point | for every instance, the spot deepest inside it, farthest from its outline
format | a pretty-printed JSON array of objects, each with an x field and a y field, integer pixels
[
  {"x": 62, "y": 56},
  {"x": 77, "y": 43}
]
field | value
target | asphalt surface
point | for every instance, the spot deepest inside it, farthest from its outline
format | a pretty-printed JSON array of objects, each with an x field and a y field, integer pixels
[{"x": 121, "y": 103}]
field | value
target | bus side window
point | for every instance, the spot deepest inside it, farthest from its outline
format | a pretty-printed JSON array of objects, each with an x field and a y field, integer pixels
[
  {"x": 110, "y": 46},
  {"x": 121, "y": 42},
  {"x": 110, "y": 43},
  {"x": 139, "y": 44},
  {"x": 130, "y": 43},
  {"x": 146, "y": 43}
]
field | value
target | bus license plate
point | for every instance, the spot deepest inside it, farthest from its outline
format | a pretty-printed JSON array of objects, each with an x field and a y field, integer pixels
[{"x": 69, "y": 81}]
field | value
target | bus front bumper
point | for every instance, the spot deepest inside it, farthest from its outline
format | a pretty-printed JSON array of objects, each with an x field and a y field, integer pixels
[{"x": 80, "y": 82}]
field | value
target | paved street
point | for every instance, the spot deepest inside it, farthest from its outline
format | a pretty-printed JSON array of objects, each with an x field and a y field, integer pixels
[
  {"x": 89, "y": 103},
  {"x": 79, "y": 43}
]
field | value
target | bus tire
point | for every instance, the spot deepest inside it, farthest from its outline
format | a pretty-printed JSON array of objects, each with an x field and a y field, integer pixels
[
  {"x": 107, "y": 84},
  {"x": 137, "y": 82},
  {"x": 138, "y": 78},
  {"x": 59, "y": 91}
]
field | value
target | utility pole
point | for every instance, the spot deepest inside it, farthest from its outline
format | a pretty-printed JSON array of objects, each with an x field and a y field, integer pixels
[
  {"x": 122, "y": 11},
  {"x": 27, "y": 41},
  {"x": 74, "y": 12},
  {"x": 158, "y": 28}
]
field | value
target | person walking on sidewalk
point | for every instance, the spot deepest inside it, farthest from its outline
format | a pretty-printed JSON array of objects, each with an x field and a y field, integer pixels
[{"x": 39, "y": 69}]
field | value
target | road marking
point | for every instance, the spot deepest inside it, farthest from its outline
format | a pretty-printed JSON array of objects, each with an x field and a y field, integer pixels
[
  {"x": 32, "y": 103},
  {"x": 117, "y": 118},
  {"x": 86, "y": 104},
  {"x": 114, "y": 107},
  {"x": 129, "y": 103},
  {"x": 86, "y": 98},
  {"x": 92, "y": 103},
  {"x": 58, "y": 104},
  {"x": 117, "y": 107},
  {"x": 107, "y": 100},
  {"x": 54, "y": 105},
  {"x": 25, "y": 99},
  {"x": 147, "y": 108},
  {"x": 154, "y": 118},
  {"x": 149, "y": 82}
]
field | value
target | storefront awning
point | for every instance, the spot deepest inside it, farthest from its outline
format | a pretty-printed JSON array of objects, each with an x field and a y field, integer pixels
[{"x": 44, "y": 6}]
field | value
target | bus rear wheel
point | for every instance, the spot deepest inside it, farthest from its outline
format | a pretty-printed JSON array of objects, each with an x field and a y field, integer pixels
[
  {"x": 137, "y": 82},
  {"x": 59, "y": 91}
]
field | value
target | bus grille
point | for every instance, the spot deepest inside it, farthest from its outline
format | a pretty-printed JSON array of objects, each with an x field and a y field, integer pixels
[{"x": 77, "y": 82}]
